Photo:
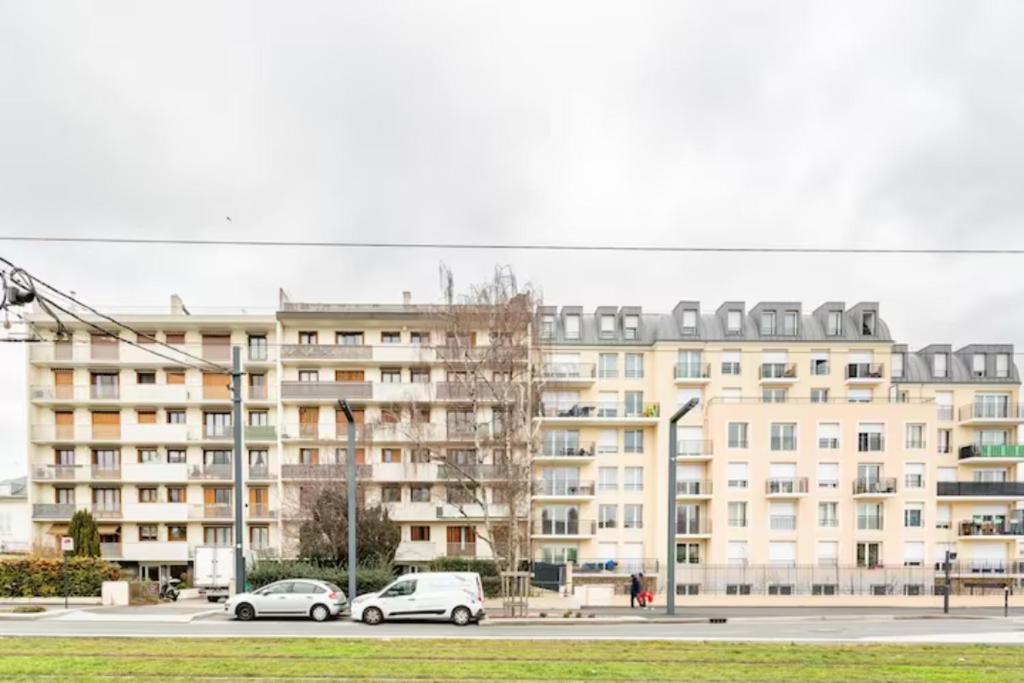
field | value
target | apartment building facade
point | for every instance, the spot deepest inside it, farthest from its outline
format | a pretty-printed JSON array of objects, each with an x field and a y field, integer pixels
[{"x": 818, "y": 442}]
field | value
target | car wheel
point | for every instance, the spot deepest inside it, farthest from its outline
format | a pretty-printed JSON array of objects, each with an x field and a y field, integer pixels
[
  {"x": 461, "y": 616},
  {"x": 372, "y": 616},
  {"x": 245, "y": 612},
  {"x": 319, "y": 613}
]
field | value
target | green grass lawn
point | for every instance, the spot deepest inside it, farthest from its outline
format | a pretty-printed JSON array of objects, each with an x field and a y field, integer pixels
[{"x": 106, "y": 659}]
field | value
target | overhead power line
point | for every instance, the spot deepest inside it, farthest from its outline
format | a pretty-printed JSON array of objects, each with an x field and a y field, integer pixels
[{"x": 490, "y": 246}]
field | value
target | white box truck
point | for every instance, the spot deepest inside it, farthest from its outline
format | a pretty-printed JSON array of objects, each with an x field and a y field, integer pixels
[{"x": 213, "y": 568}]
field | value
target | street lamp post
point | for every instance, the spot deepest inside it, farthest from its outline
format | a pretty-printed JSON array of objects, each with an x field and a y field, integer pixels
[
  {"x": 350, "y": 479},
  {"x": 670, "y": 601}
]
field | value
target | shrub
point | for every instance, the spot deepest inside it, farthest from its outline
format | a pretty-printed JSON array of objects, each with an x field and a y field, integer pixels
[
  {"x": 368, "y": 580},
  {"x": 44, "y": 578},
  {"x": 28, "y": 609},
  {"x": 485, "y": 568}
]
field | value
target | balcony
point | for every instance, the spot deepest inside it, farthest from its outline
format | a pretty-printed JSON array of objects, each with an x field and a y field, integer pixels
[
  {"x": 864, "y": 373},
  {"x": 218, "y": 472},
  {"x": 563, "y": 489},
  {"x": 992, "y": 454},
  {"x": 777, "y": 373},
  {"x": 313, "y": 471},
  {"x": 874, "y": 488},
  {"x": 405, "y": 471},
  {"x": 155, "y": 512},
  {"x": 565, "y": 528},
  {"x": 260, "y": 473},
  {"x": 461, "y": 549},
  {"x": 786, "y": 487},
  {"x": 1000, "y": 525},
  {"x": 61, "y": 511},
  {"x": 105, "y": 473},
  {"x": 573, "y": 451},
  {"x": 326, "y": 391},
  {"x": 458, "y": 472},
  {"x": 782, "y": 522},
  {"x": 339, "y": 432},
  {"x": 616, "y": 567},
  {"x": 154, "y": 472},
  {"x": 694, "y": 450},
  {"x": 981, "y": 489},
  {"x": 110, "y": 551},
  {"x": 106, "y": 511},
  {"x": 261, "y": 511},
  {"x": 567, "y": 373},
  {"x": 602, "y": 413},
  {"x": 693, "y": 526},
  {"x": 469, "y": 510},
  {"x": 299, "y": 352},
  {"x": 220, "y": 511},
  {"x": 693, "y": 488},
  {"x": 989, "y": 413},
  {"x": 58, "y": 473},
  {"x": 692, "y": 373},
  {"x": 260, "y": 433}
]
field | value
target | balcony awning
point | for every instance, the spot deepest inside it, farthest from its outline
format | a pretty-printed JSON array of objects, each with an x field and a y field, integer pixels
[
  {"x": 106, "y": 529},
  {"x": 414, "y": 551},
  {"x": 58, "y": 529}
]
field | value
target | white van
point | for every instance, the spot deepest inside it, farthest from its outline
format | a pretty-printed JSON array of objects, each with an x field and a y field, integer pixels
[{"x": 449, "y": 596}]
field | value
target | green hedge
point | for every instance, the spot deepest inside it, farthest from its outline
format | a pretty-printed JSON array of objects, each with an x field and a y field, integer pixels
[
  {"x": 368, "y": 580},
  {"x": 484, "y": 568},
  {"x": 35, "y": 577}
]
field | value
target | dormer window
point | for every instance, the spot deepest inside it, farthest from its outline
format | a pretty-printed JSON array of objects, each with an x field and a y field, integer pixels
[
  {"x": 734, "y": 322},
  {"x": 689, "y": 322},
  {"x": 1002, "y": 365},
  {"x": 607, "y": 327},
  {"x": 791, "y": 323},
  {"x": 867, "y": 323},
  {"x": 835, "y": 324},
  {"x": 572, "y": 327},
  {"x": 939, "y": 365},
  {"x": 547, "y": 326},
  {"x": 768, "y": 322},
  {"x": 631, "y": 327},
  {"x": 978, "y": 365},
  {"x": 897, "y": 365}
]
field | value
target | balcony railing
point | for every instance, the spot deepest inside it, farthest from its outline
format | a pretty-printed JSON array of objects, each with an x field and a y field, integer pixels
[
  {"x": 693, "y": 487},
  {"x": 777, "y": 371},
  {"x": 262, "y": 511},
  {"x": 315, "y": 471},
  {"x": 461, "y": 549},
  {"x": 212, "y": 511},
  {"x": 106, "y": 472},
  {"x": 260, "y": 472},
  {"x": 55, "y": 472},
  {"x": 332, "y": 391},
  {"x": 1010, "y": 525},
  {"x": 692, "y": 370},
  {"x": 53, "y": 510},
  {"x": 990, "y": 411},
  {"x": 601, "y": 410},
  {"x": 326, "y": 352},
  {"x": 622, "y": 567},
  {"x": 211, "y": 472},
  {"x": 782, "y": 522},
  {"x": 564, "y": 527},
  {"x": 568, "y": 450},
  {"x": 980, "y": 488},
  {"x": 110, "y": 550},
  {"x": 692, "y": 526},
  {"x": 106, "y": 511},
  {"x": 459, "y": 472},
  {"x": 563, "y": 488},
  {"x": 869, "y": 486},
  {"x": 865, "y": 371},
  {"x": 260, "y": 432},
  {"x": 785, "y": 486},
  {"x": 992, "y": 451},
  {"x": 567, "y": 371},
  {"x": 693, "y": 447},
  {"x": 218, "y": 431}
]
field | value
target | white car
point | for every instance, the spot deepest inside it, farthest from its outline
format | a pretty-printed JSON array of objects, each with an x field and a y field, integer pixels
[
  {"x": 457, "y": 597},
  {"x": 317, "y": 600}
]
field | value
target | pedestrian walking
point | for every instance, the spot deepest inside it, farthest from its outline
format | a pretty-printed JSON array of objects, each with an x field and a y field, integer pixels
[
  {"x": 634, "y": 590},
  {"x": 641, "y": 590}
]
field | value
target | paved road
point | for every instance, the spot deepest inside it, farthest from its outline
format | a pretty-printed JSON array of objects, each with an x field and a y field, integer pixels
[{"x": 847, "y": 629}]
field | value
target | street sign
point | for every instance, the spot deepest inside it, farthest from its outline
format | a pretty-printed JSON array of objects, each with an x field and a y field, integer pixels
[{"x": 67, "y": 544}]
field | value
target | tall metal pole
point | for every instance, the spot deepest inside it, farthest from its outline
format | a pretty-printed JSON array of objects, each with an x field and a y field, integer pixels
[
  {"x": 236, "y": 422},
  {"x": 350, "y": 480},
  {"x": 670, "y": 600},
  {"x": 947, "y": 570}
]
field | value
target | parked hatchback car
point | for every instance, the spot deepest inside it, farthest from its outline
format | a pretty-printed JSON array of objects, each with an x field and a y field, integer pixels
[
  {"x": 318, "y": 600},
  {"x": 449, "y": 596}
]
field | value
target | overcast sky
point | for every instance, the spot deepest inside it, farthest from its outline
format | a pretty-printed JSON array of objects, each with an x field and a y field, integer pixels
[{"x": 712, "y": 123}]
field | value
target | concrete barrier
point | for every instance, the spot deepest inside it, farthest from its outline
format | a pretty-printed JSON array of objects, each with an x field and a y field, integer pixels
[{"x": 115, "y": 593}]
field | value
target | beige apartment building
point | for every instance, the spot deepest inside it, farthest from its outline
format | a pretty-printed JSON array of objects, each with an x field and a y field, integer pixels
[{"x": 822, "y": 455}]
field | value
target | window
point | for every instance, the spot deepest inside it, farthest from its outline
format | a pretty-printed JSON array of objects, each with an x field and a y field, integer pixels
[
  {"x": 819, "y": 395},
  {"x": 915, "y": 436},
  {"x": 259, "y": 418},
  {"x": 768, "y": 323},
  {"x": 782, "y": 553},
  {"x": 783, "y": 436},
  {"x": 147, "y": 532},
  {"x": 309, "y": 376},
  {"x": 632, "y": 516},
  {"x": 147, "y": 494},
  {"x": 737, "y": 552},
  {"x": 348, "y": 338},
  {"x": 738, "y": 475},
  {"x": 391, "y": 375},
  {"x": 773, "y": 395},
  {"x": 634, "y": 366},
  {"x": 870, "y": 438},
  {"x": 978, "y": 365},
  {"x": 608, "y": 365},
  {"x": 867, "y": 323},
  {"x": 607, "y": 516},
  {"x": 828, "y": 514},
  {"x": 607, "y": 329},
  {"x": 572, "y": 327},
  {"x": 418, "y": 338},
  {"x": 780, "y": 589},
  {"x": 834, "y": 324},
  {"x": 737, "y": 434},
  {"x": 734, "y": 322},
  {"x": 737, "y": 588},
  {"x": 547, "y": 326},
  {"x": 174, "y": 337},
  {"x": 391, "y": 494},
  {"x": 63, "y": 496},
  {"x": 913, "y": 477},
  {"x": 559, "y": 554},
  {"x": 688, "y": 553},
  {"x": 731, "y": 363},
  {"x": 737, "y": 514},
  {"x": 828, "y": 436},
  {"x": 828, "y": 553},
  {"x": 419, "y": 493},
  {"x": 177, "y": 494},
  {"x": 913, "y": 516},
  {"x": 149, "y": 455},
  {"x": 819, "y": 363},
  {"x": 633, "y": 441},
  {"x": 391, "y": 455},
  {"x": 939, "y": 365},
  {"x": 869, "y": 516},
  {"x": 390, "y": 337},
  {"x": 145, "y": 417},
  {"x": 175, "y": 376},
  {"x": 419, "y": 533},
  {"x": 176, "y": 455},
  {"x": 64, "y": 457},
  {"x": 607, "y": 441},
  {"x": 913, "y": 555},
  {"x": 791, "y": 323},
  {"x": 690, "y": 322},
  {"x": 631, "y": 327},
  {"x": 217, "y": 535},
  {"x": 607, "y": 479},
  {"x": 828, "y": 475},
  {"x": 257, "y": 347},
  {"x": 145, "y": 377},
  {"x": 177, "y": 532},
  {"x": 634, "y": 404},
  {"x": 943, "y": 437},
  {"x": 633, "y": 479},
  {"x": 175, "y": 417},
  {"x": 897, "y": 365},
  {"x": 1002, "y": 365},
  {"x": 308, "y": 338}
]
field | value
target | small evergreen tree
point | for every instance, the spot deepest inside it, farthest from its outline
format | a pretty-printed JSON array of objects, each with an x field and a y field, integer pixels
[
  {"x": 324, "y": 537},
  {"x": 83, "y": 530}
]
